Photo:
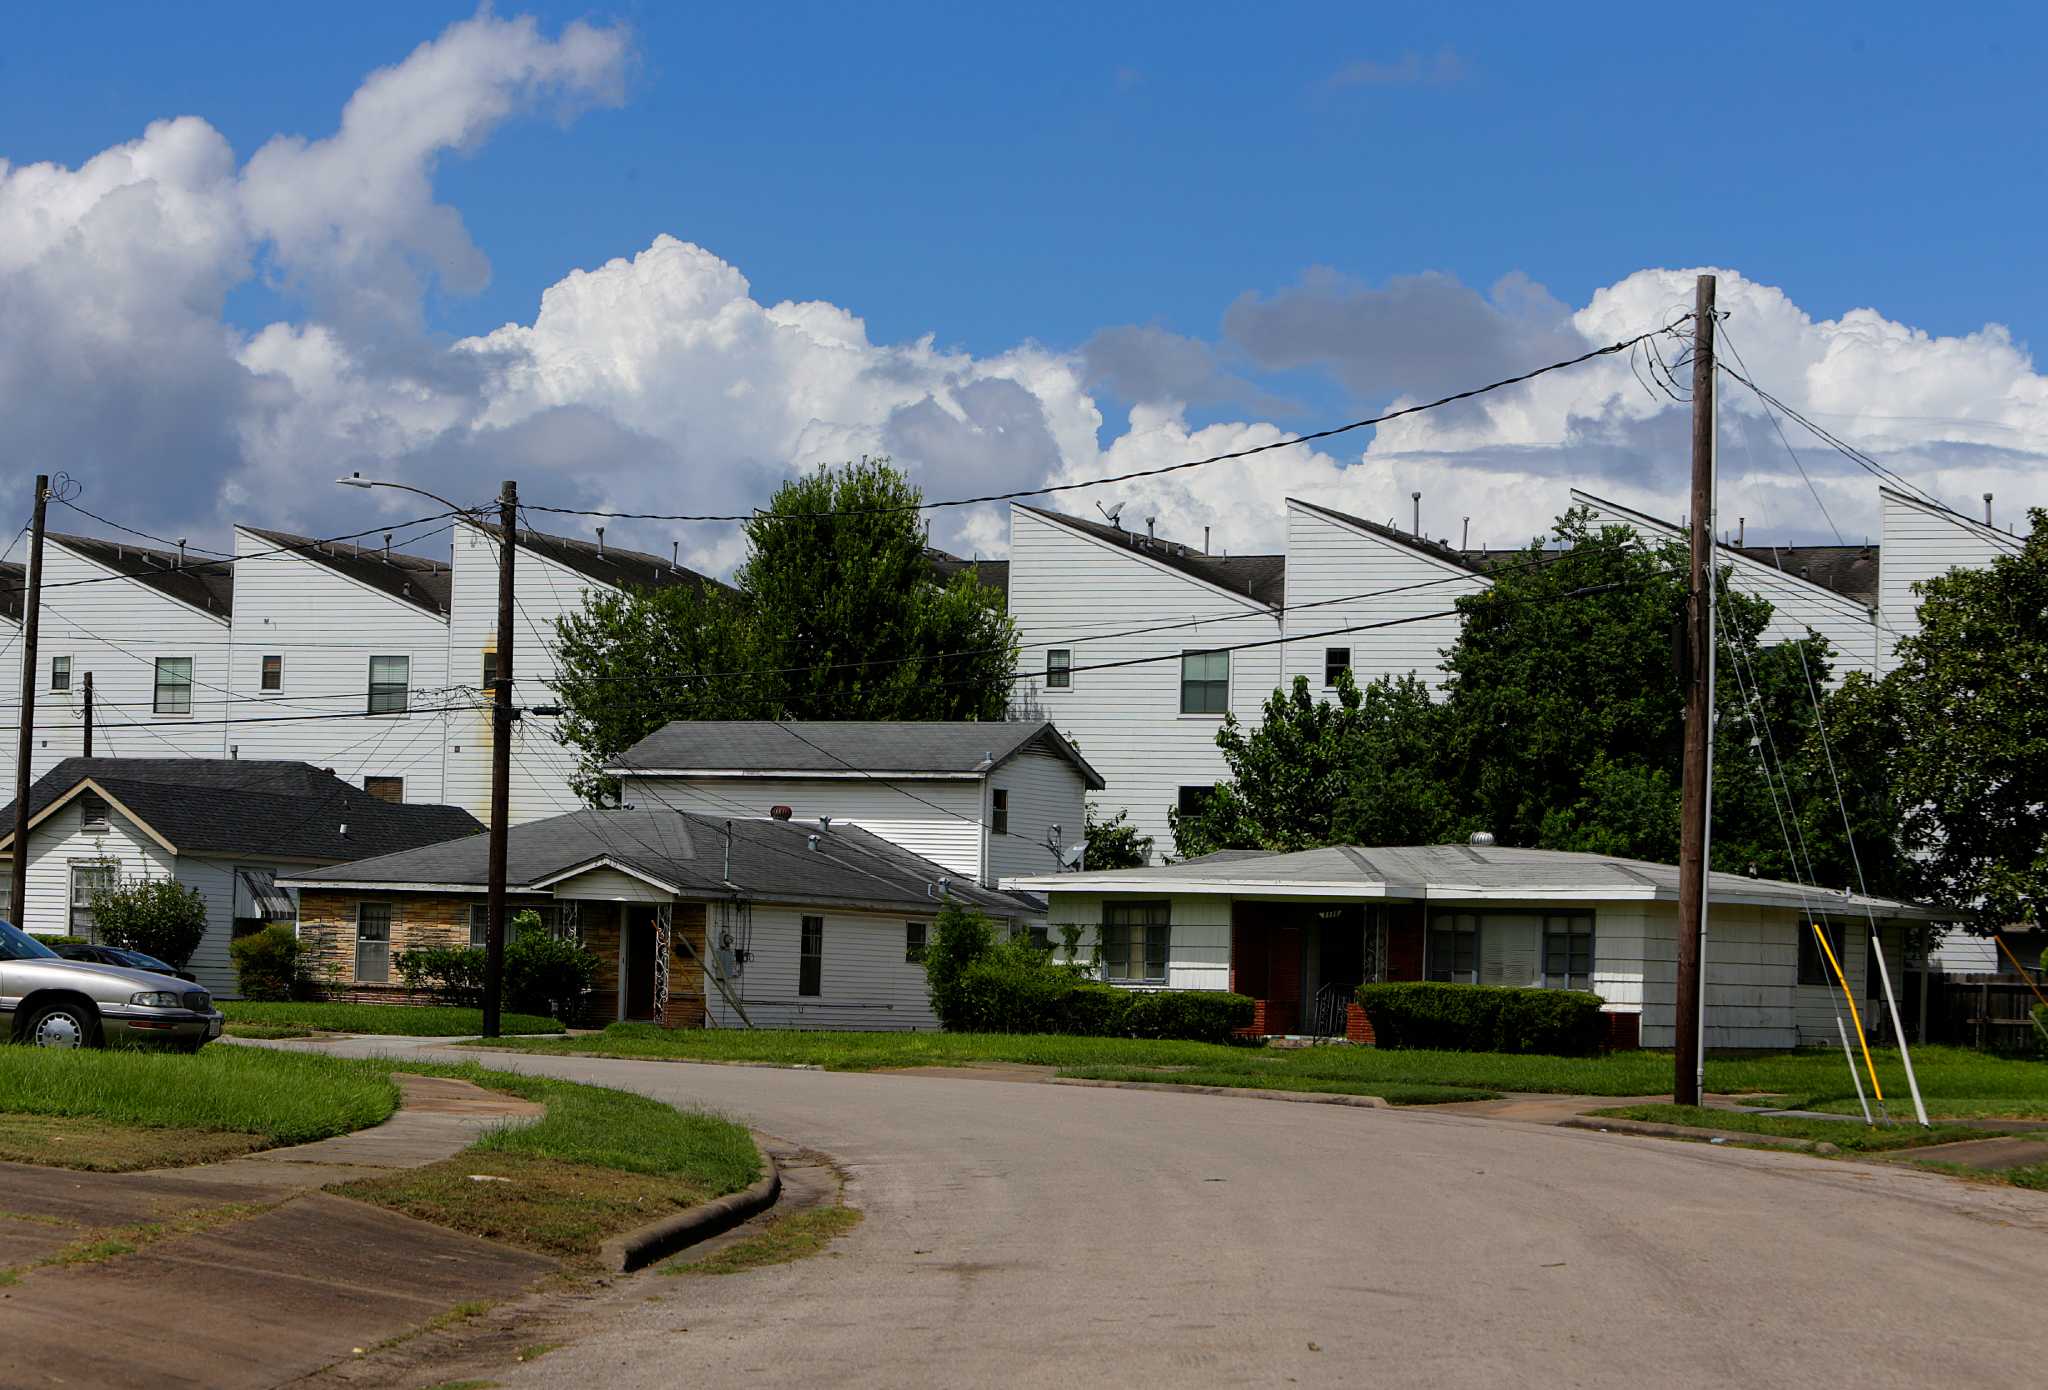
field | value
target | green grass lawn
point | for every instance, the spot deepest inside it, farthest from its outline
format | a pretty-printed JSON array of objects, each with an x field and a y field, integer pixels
[
  {"x": 1852, "y": 1136},
  {"x": 246, "y": 1017},
  {"x": 280, "y": 1097},
  {"x": 1956, "y": 1081},
  {"x": 599, "y": 1162}
]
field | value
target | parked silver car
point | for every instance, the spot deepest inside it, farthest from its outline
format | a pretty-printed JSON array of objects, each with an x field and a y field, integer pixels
[{"x": 52, "y": 1002}]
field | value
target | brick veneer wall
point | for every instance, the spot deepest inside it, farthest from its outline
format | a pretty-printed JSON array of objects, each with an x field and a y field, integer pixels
[{"x": 419, "y": 921}]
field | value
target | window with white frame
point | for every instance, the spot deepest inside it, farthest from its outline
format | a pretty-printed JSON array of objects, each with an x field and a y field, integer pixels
[
  {"x": 1135, "y": 941},
  {"x": 373, "y": 943},
  {"x": 60, "y": 673},
  {"x": 1513, "y": 948},
  {"x": 810, "y": 968},
  {"x": 87, "y": 879},
  {"x": 173, "y": 685},
  {"x": 390, "y": 681},
  {"x": 1204, "y": 682},
  {"x": 1059, "y": 668},
  {"x": 273, "y": 673}
]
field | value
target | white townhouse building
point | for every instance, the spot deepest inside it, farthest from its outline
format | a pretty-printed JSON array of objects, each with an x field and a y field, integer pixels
[
  {"x": 1922, "y": 542},
  {"x": 1148, "y": 723},
  {"x": 551, "y": 578},
  {"x": 155, "y": 630},
  {"x": 357, "y": 635},
  {"x": 985, "y": 800}
]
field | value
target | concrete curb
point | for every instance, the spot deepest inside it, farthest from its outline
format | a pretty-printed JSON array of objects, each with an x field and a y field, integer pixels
[
  {"x": 1652, "y": 1129},
  {"x": 1300, "y": 1097},
  {"x": 623, "y": 1254}
]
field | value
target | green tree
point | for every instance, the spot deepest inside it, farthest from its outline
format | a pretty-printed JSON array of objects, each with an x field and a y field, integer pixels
[
  {"x": 1961, "y": 725},
  {"x": 1115, "y": 843},
  {"x": 838, "y": 613}
]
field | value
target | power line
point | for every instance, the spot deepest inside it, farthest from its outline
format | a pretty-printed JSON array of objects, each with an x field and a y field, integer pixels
[
  {"x": 1623, "y": 346},
  {"x": 1847, "y": 450}
]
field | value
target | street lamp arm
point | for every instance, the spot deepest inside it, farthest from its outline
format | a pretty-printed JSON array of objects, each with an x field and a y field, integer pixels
[{"x": 358, "y": 480}]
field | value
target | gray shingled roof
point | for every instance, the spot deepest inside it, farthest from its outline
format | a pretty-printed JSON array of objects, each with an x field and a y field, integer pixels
[
  {"x": 611, "y": 564},
  {"x": 1436, "y": 550},
  {"x": 995, "y": 574},
  {"x": 208, "y": 585},
  {"x": 286, "y": 810},
  {"x": 841, "y": 748},
  {"x": 425, "y": 583},
  {"x": 13, "y": 584},
  {"x": 1262, "y": 578},
  {"x": 771, "y": 861},
  {"x": 1451, "y": 872}
]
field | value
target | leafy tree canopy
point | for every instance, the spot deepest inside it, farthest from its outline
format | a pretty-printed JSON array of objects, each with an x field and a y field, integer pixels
[{"x": 837, "y": 613}]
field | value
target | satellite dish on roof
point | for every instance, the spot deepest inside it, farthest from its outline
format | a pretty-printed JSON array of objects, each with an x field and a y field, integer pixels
[{"x": 1114, "y": 515}]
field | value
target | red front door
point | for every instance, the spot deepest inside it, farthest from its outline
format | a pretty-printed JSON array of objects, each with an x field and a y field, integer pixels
[{"x": 1265, "y": 963}]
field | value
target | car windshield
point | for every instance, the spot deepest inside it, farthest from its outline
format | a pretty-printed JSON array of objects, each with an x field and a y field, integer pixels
[
  {"x": 16, "y": 944},
  {"x": 142, "y": 962}
]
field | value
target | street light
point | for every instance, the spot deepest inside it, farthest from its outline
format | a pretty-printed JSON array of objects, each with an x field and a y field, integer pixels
[{"x": 501, "y": 732}]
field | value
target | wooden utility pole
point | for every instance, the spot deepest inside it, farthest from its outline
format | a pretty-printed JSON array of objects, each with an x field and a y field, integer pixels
[
  {"x": 1699, "y": 710},
  {"x": 501, "y": 761},
  {"x": 88, "y": 714},
  {"x": 24, "y": 744}
]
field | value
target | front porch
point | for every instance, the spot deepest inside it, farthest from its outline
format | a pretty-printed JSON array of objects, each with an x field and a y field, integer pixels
[{"x": 1301, "y": 963}]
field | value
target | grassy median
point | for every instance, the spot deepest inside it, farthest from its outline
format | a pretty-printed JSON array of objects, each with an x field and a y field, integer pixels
[
  {"x": 246, "y": 1018},
  {"x": 119, "y": 1110}
]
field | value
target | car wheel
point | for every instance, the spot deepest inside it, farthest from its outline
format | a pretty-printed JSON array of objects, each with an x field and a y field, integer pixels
[{"x": 64, "y": 1024}]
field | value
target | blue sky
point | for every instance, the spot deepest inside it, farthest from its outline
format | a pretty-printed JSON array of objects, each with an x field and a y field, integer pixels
[{"x": 996, "y": 178}]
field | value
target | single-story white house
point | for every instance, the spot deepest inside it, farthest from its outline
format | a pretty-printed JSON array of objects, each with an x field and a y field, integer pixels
[
  {"x": 227, "y": 827},
  {"x": 697, "y": 921},
  {"x": 1299, "y": 932},
  {"x": 984, "y": 798}
]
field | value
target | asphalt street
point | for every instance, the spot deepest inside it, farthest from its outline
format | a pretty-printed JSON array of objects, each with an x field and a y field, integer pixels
[{"x": 1025, "y": 1234}]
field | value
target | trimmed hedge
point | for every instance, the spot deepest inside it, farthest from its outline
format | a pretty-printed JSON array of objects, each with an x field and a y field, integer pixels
[
  {"x": 1009, "y": 995},
  {"x": 1484, "y": 1018},
  {"x": 1193, "y": 1015}
]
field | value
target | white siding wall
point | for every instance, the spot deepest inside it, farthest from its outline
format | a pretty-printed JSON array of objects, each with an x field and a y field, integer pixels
[
  {"x": 865, "y": 981},
  {"x": 1198, "y": 950},
  {"x": 60, "y": 842},
  {"x": 541, "y": 766},
  {"x": 10, "y": 697},
  {"x": 1127, "y": 722},
  {"x": 1327, "y": 559},
  {"x": 117, "y": 629},
  {"x": 1044, "y": 790},
  {"x": 1922, "y": 543},
  {"x": 1796, "y": 604},
  {"x": 948, "y": 831},
  {"x": 327, "y": 626}
]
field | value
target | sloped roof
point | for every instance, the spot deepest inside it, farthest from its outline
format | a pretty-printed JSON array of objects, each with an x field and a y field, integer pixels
[
  {"x": 844, "y": 748},
  {"x": 1261, "y": 578},
  {"x": 1848, "y": 570},
  {"x": 229, "y": 806},
  {"x": 771, "y": 861},
  {"x": 208, "y": 585},
  {"x": 418, "y": 580},
  {"x": 610, "y": 564},
  {"x": 13, "y": 584},
  {"x": 993, "y": 573},
  {"x": 1455, "y": 873},
  {"x": 1436, "y": 550}
]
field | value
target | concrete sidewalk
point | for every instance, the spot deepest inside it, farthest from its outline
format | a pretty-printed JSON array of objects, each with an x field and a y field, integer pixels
[{"x": 243, "y": 1273}]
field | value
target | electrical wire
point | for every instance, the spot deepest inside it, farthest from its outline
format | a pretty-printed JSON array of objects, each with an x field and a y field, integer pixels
[{"x": 1051, "y": 488}]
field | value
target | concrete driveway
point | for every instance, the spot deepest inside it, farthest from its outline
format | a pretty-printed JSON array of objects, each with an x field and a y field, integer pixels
[{"x": 1027, "y": 1234}]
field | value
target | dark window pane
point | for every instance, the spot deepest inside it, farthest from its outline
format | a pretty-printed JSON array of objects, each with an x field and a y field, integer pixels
[
  {"x": 173, "y": 685},
  {"x": 1336, "y": 660},
  {"x": 999, "y": 815},
  {"x": 1059, "y": 673},
  {"x": 390, "y": 679},
  {"x": 273, "y": 673},
  {"x": 811, "y": 957}
]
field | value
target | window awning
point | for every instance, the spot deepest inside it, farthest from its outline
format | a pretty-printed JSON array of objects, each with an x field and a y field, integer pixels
[{"x": 257, "y": 895}]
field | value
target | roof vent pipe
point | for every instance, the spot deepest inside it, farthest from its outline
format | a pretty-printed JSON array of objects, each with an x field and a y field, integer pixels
[
  {"x": 1987, "y": 509},
  {"x": 1151, "y": 533},
  {"x": 1205, "y": 540},
  {"x": 1482, "y": 838},
  {"x": 824, "y": 822},
  {"x": 387, "y": 545},
  {"x": 181, "y": 552},
  {"x": 675, "y": 555},
  {"x": 1741, "y": 532},
  {"x": 1465, "y": 536},
  {"x": 600, "y": 542},
  {"x": 1416, "y": 529},
  {"x": 812, "y": 839},
  {"x": 779, "y": 813}
]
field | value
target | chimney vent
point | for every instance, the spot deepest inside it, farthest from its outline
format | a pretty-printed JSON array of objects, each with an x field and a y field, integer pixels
[
  {"x": 1151, "y": 534},
  {"x": 1987, "y": 509},
  {"x": 812, "y": 839},
  {"x": 780, "y": 812},
  {"x": 1741, "y": 533},
  {"x": 1416, "y": 529},
  {"x": 1205, "y": 540},
  {"x": 824, "y": 822},
  {"x": 1482, "y": 838},
  {"x": 675, "y": 555},
  {"x": 600, "y": 542}
]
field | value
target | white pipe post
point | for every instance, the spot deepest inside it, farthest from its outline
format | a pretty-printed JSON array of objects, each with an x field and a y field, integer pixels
[{"x": 1898, "y": 1029}]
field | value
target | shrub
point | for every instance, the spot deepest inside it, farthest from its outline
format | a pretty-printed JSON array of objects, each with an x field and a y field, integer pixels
[
  {"x": 159, "y": 917},
  {"x": 546, "y": 974},
  {"x": 1189, "y": 1014},
  {"x": 448, "y": 974},
  {"x": 267, "y": 965},
  {"x": 1483, "y": 1018},
  {"x": 958, "y": 938}
]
